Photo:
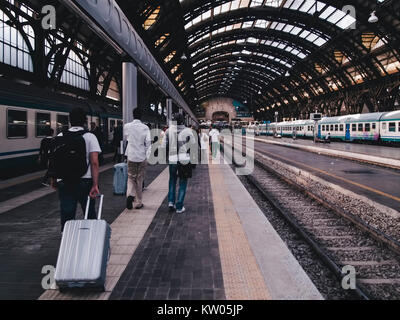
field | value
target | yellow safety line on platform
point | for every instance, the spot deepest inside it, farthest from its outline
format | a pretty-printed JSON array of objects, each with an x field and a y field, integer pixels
[
  {"x": 337, "y": 177},
  {"x": 243, "y": 279}
]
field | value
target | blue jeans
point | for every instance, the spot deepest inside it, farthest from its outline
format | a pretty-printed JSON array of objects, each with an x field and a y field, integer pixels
[
  {"x": 72, "y": 193},
  {"x": 173, "y": 178}
]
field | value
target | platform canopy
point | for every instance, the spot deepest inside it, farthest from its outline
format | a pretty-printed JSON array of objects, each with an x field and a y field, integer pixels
[{"x": 275, "y": 54}]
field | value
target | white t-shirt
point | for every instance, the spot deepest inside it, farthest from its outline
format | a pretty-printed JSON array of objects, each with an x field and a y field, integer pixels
[
  {"x": 92, "y": 145},
  {"x": 214, "y": 134},
  {"x": 139, "y": 141},
  {"x": 204, "y": 140}
]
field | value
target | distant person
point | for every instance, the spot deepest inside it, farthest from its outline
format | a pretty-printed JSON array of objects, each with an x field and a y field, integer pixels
[
  {"x": 44, "y": 153},
  {"x": 176, "y": 138},
  {"x": 118, "y": 137},
  {"x": 214, "y": 139},
  {"x": 204, "y": 145},
  {"x": 139, "y": 143},
  {"x": 74, "y": 167},
  {"x": 328, "y": 138},
  {"x": 96, "y": 130}
]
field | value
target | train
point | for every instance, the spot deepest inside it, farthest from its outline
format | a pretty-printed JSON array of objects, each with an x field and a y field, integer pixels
[
  {"x": 26, "y": 112},
  {"x": 379, "y": 127}
]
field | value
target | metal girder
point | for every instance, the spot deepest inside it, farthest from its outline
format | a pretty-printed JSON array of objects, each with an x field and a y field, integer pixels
[{"x": 122, "y": 35}]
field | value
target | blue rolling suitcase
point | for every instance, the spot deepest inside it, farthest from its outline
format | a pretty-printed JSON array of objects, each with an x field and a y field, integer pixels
[
  {"x": 84, "y": 253},
  {"x": 120, "y": 178}
]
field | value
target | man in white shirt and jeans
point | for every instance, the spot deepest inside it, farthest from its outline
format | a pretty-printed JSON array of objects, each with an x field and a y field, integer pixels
[
  {"x": 139, "y": 143},
  {"x": 72, "y": 192}
]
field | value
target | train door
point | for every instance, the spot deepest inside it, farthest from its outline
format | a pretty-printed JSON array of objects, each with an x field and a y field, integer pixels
[
  {"x": 319, "y": 132},
  {"x": 347, "y": 132}
]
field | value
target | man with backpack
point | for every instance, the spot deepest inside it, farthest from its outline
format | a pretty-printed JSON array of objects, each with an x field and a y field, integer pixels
[{"x": 74, "y": 167}]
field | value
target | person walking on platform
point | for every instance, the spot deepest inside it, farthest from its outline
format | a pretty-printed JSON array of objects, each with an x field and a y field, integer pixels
[
  {"x": 214, "y": 136},
  {"x": 139, "y": 143},
  {"x": 176, "y": 140},
  {"x": 74, "y": 167},
  {"x": 44, "y": 153},
  {"x": 118, "y": 137},
  {"x": 204, "y": 145}
]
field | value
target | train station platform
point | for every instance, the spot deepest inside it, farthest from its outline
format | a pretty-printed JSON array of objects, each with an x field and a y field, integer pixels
[
  {"x": 222, "y": 248},
  {"x": 379, "y": 155}
]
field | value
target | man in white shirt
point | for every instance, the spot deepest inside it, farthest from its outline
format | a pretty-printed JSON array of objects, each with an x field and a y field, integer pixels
[
  {"x": 214, "y": 134},
  {"x": 139, "y": 143},
  {"x": 74, "y": 191}
]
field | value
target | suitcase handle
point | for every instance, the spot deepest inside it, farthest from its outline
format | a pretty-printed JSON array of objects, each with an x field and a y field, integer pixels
[{"x": 101, "y": 196}]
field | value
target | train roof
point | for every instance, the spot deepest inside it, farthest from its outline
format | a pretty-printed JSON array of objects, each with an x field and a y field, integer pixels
[
  {"x": 354, "y": 118},
  {"x": 28, "y": 96},
  {"x": 394, "y": 115}
]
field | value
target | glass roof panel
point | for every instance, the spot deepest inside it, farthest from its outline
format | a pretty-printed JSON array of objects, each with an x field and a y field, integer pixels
[
  {"x": 287, "y": 28},
  {"x": 326, "y": 12}
]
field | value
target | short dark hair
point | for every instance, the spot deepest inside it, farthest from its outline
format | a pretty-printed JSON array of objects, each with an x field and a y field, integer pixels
[
  {"x": 49, "y": 131},
  {"x": 137, "y": 114},
  {"x": 179, "y": 118},
  {"x": 77, "y": 117}
]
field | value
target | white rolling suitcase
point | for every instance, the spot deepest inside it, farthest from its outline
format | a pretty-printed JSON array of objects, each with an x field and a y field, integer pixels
[{"x": 84, "y": 253}]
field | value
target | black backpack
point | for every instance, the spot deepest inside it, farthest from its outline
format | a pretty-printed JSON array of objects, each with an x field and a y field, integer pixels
[{"x": 68, "y": 156}]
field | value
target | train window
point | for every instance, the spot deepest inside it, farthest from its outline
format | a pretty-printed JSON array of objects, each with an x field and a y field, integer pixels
[
  {"x": 360, "y": 127},
  {"x": 399, "y": 126},
  {"x": 341, "y": 128},
  {"x": 374, "y": 126},
  {"x": 43, "y": 121},
  {"x": 62, "y": 123},
  {"x": 336, "y": 127},
  {"x": 17, "y": 124},
  {"x": 392, "y": 126},
  {"x": 332, "y": 127},
  {"x": 353, "y": 127},
  {"x": 367, "y": 127}
]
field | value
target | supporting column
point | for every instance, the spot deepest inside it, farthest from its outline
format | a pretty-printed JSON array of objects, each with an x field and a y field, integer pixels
[
  {"x": 129, "y": 90},
  {"x": 169, "y": 111}
]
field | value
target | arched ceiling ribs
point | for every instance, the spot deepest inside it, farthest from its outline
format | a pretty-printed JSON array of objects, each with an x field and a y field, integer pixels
[
  {"x": 292, "y": 82},
  {"x": 246, "y": 82},
  {"x": 246, "y": 49},
  {"x": 241, "y": 93},
  {"x": 277, "y": 39},
  {"x": 234, "y": 75}
]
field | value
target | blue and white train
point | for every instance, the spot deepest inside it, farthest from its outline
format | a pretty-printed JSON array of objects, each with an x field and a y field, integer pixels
[{"x": 373, "y": 127}]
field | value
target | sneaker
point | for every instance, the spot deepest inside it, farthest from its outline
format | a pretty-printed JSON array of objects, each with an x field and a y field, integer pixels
[
  {"x": 183, "y": 210},
  {"x": 171, "y": 207},
  {"x": 139, "y": 206},
  {"x": 129, "y": 202}
]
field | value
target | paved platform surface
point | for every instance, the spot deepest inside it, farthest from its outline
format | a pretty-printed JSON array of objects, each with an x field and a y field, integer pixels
[
  {"x": 222, "y": 248},
  {"x": 378, "y": 184},
  {"x": 178, "y": 257},
  {"x": 30, "y": 238}
]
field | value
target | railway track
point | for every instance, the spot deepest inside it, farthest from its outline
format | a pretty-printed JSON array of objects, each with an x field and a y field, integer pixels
[{"x": 337, "y": 241}]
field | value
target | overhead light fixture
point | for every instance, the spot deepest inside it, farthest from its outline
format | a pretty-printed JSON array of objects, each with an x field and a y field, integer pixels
[
  {"x": 184, "y": 57},
  {"x": 259, "y": 92},
  {"x": 287, "y": 74},
  {"x": 373, "y": 18}
]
